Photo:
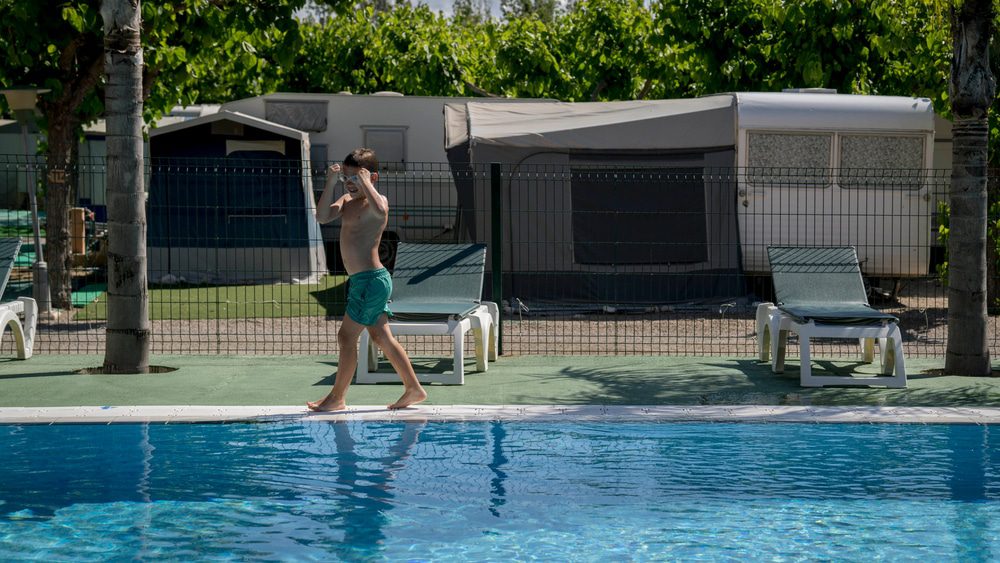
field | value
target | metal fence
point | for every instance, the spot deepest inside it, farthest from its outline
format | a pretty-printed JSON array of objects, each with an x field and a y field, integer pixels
[{"x": 632, "y": 259}]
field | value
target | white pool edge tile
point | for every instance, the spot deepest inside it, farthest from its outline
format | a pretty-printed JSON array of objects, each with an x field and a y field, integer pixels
[{"x": 716, "y": 413}]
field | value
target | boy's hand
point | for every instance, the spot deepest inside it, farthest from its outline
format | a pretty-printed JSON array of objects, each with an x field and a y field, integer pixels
[
  {"x": 333, "y": 169},
  {"x": 365, "y": 176}
]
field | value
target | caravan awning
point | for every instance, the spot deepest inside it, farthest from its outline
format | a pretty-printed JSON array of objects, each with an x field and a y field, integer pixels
[{"x": 636, "y": 125}]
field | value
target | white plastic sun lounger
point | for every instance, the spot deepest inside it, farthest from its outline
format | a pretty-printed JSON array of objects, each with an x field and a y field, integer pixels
[
  {"x": 437, "y": 290},
  {"x": 820, "y": 294},
  {"x": 20, "y": 315}
]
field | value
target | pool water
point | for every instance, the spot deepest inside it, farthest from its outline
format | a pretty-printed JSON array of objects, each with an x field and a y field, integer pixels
[{"x": 499, "y": 491}]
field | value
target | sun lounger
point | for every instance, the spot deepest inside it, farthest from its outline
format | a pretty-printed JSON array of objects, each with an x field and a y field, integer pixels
[
  {"x": 820, "y": 294},
  {"x": 20, "y": 315},
  {"x": 437, "y": 290}
]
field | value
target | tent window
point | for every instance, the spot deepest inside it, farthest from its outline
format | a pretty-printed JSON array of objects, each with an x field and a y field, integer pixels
[
  {"x": 788, "y": 160},
  {"x": 883, "y": 161},
  {"x": 389, "y": 144},
  {"x": 639, "y": 216},
  {"x": 273, "y": 145},
  {"x": 226, "y": 127}
]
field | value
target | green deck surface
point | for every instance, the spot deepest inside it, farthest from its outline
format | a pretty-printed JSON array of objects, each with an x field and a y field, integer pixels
[
  {"x": 528, "y": 380},
  {"x": 88, "y": 294}
]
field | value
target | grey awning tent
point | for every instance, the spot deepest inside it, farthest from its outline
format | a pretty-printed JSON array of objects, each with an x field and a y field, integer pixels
[
  {"x": 653, "y": 125},
  {"x": 231, "y": 201},
  {"x": 605, "y": 202}
]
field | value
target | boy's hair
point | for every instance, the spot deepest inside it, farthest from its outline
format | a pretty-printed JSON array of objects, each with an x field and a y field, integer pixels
[{"x": 362, "y": 158}]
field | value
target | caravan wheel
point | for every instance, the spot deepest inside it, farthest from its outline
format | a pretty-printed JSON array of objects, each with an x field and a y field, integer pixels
[{"x": 387, "y": 249}]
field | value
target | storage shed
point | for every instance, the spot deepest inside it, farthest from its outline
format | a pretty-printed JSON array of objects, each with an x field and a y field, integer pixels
[{"x": 231, "y": 201}]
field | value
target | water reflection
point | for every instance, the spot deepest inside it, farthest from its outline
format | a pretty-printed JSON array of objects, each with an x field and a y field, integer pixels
[
  {"x": 497, "y": 461},
  {"x": 365, "y": 489},
  {"x": 970, "y": 462}
]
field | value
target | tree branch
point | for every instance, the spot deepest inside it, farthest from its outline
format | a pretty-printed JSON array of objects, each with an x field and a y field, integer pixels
[
  {"x": 644, "y": 91},
  {"x": 598, "y": 89},
  {"x": 480, "y": 91},
  {"x": 84, "y": 84},
  {"x": 69, "y": 54},
  {"x": 148, "y": 78}
]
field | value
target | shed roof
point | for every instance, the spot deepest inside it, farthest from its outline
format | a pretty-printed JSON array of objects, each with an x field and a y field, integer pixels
[{"x": 235, "y": 117}]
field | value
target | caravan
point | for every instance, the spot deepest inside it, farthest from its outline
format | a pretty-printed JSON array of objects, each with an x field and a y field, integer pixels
[
  {"x": 875, "y": 192},
  {"x": 711, "y": 182}
]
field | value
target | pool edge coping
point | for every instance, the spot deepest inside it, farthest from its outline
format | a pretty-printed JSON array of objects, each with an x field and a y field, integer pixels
[{"x": 457, "y": 413}]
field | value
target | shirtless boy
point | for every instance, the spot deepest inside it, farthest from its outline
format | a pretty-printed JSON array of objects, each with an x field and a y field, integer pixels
[{"x": 364, "y": 213}]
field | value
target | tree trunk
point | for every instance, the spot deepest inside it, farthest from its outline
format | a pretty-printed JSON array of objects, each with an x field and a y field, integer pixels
[
  {"x": 128, "y": 329},
  {"x": 59, "y": 180},
  {"x": 972, "y": 91},
  {"x": 992, "y": 256}
]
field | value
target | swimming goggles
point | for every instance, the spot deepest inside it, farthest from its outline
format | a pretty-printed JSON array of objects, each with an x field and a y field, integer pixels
[{"x": 352, "y": 178}]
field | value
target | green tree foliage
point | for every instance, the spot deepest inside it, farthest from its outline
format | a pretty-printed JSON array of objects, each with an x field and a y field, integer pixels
[
  {"x": 470, "y": 12},
  {"x": 856, "y": 46},
  {"x": 528, "y": 61},
  {"x": 605, "y": 46},
  {"x": 627, "y": 49},
  {"x": 408, "y": 49},
  {"x": 545, "y": 10}
]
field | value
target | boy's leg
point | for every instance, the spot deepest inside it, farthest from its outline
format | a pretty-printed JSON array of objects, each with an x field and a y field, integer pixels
[
  {"x": 347, "y": 363},
  {"x": 413, "y": 392}
]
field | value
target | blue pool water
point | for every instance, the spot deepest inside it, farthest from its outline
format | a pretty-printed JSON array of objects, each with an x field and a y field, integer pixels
[{"x": 499, "y": 491}]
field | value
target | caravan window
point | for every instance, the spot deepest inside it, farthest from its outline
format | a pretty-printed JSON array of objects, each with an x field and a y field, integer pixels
[
  {"x": 639, "y": 216},
  {"x": 389, "y": 144},
  {"x": 318, "y": 160},
  {"x": 788, "y": 159},
  {"x": 301, "y": 115},
  {"x": 883, "y": 161}
]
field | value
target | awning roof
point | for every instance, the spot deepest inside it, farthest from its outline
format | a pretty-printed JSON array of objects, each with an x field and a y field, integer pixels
[{"x": 635, "y": 125}]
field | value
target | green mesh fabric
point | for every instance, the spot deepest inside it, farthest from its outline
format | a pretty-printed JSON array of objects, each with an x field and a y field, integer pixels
[
  {"x": 822, "y": 284},
  {"x": 8, "y": 252},
  {"x": 437, "y": 281}
]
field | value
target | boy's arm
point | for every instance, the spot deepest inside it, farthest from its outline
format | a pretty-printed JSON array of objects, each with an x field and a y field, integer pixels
[
  {"x": 379, "y": 203},
  {"x": 327, "y": 209}
]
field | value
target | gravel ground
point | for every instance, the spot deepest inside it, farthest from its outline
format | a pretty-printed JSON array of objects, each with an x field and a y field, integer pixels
[{"x": 721, "y": 332}]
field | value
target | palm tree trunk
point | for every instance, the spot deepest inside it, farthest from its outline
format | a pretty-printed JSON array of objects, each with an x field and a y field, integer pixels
[
  {"x": 972, "y": 91},
  {"x": 128, "y": 329}
]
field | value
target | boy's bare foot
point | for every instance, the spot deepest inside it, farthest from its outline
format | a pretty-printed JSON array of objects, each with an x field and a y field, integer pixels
[
  {"x": 410, "y": 397},
  {"x": 327, "y": 404}
]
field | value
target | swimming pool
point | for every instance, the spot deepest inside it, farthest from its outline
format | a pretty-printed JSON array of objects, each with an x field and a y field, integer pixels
[{"x": 466, "y": 491}]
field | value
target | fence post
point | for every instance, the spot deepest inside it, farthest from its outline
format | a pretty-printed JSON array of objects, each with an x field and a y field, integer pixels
[{"x": 496, "y": 244}]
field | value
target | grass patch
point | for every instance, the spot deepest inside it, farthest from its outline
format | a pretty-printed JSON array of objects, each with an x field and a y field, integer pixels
[
  {"x": 9, "y": 231},
  {"x": 201, "y": 302}
]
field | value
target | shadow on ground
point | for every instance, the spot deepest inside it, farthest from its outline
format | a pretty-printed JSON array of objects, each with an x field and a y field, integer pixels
[{"x": 748, "y": 382}]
